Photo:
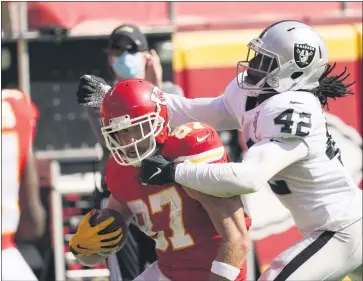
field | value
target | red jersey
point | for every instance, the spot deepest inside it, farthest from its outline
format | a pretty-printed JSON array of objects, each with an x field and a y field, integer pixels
[
  {"x": 17, "y": 128},
  {"x": 185, "y": 237}
]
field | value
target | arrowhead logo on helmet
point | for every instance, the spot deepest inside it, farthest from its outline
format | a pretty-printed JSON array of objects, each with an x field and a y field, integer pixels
[
  {"x": 303, "y": 54},
  {"x": 157, "y": 96}
]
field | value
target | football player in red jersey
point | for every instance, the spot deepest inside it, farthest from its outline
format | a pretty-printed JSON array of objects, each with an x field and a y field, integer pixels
[
  {"x": 19, "y": 184},
  {"x": 197, "y": 236}
]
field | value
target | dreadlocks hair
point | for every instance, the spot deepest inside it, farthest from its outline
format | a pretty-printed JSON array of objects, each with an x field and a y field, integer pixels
[{"x": 332, "y": 86}]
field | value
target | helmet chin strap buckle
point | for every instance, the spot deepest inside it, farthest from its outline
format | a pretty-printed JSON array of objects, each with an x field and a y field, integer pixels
[{"x": 274, "y": 82}]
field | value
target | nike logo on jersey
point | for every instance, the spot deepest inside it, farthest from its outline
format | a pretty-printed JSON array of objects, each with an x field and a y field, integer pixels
[
  {"x": 272, "y": 140},
  {"x": 158, "y": 171},
  {"x": 296, "y": 102},
  {"x": 202, "y": 138}
]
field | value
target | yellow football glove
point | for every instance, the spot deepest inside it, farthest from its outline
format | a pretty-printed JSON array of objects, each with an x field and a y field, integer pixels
[{"x": 88, "y": 241}]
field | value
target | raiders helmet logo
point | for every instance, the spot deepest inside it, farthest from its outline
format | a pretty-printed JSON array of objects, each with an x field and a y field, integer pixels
[{"x": 303, "y": 54}]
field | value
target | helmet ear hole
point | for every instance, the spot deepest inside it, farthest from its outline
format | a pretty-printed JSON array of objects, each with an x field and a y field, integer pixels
[{"x": 296, "y": 75}]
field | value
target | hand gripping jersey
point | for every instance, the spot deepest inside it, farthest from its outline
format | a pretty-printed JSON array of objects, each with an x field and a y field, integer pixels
[
  {"x": 17, "y": 130},
  {"x": 186, "y": 240},
  {"x": 317, "y": 190}
]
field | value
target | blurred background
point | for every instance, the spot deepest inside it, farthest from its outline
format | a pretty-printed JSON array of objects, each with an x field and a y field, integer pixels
[{"x": 47, "y": 46}]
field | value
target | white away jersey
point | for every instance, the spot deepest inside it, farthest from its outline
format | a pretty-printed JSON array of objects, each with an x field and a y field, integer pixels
[{"x": 317, "y": 190}]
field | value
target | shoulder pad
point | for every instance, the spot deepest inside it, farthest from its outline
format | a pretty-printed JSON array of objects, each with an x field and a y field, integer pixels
[
  {"x": 193, "y": 141},
  {"x": 235, "y": 99}
]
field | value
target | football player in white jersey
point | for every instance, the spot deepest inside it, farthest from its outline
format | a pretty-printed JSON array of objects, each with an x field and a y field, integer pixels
[{"x": 277, "y": 102}]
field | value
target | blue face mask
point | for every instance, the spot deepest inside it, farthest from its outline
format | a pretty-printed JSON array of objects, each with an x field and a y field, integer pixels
[{"x": 129, "y": 65}]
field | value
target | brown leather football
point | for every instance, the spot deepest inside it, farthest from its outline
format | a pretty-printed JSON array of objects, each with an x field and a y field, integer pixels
[{"x": 119, "y": 221}]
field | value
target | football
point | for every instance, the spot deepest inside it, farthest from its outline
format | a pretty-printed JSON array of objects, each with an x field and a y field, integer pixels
[{"x": 119, "y": 221}]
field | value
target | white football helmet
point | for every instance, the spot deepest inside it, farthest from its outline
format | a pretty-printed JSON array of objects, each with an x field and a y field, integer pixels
[{"x": 288, "y": 55}]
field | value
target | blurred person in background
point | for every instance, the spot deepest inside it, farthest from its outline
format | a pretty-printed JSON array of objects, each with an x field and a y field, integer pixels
[
  {"x": 20, "y": 186},
  {"x": 128, "y": 56}
]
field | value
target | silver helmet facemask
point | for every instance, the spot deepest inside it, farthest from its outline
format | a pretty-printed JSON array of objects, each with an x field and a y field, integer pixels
[{"x": 255, "y": 73}]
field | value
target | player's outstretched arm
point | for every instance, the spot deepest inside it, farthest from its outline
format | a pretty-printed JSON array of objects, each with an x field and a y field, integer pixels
[
  {"x": 87, "y": 243},
  {"x": 216, "y": 112},
  {"x": 228, "y": 217},
  {"x": 211, "y": 111},
  {"x": 261, "y": 162}
]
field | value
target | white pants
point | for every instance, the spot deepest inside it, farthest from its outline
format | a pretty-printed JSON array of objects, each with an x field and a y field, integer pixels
[
  {"x": 14, "y": 267},
  {"x": 324, "y": 255},
  {"x": 152, "y": 273}
]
